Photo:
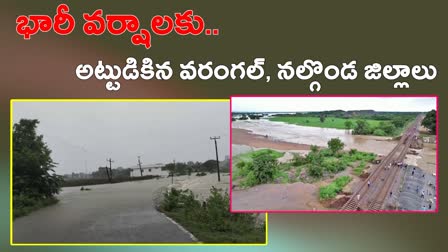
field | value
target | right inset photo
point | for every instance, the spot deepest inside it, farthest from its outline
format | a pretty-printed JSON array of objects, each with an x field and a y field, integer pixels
[{"x": 347, "y": 153}]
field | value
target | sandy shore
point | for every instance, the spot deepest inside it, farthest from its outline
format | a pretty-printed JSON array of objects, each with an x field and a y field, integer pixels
[{"x": 245, "y": 137}]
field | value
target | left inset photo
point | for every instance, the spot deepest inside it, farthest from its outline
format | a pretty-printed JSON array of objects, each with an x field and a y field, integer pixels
[{"x": 124, "y": 171}]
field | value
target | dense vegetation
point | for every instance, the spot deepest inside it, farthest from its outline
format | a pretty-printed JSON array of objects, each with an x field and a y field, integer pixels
[
  {"x": 327, "y": 161},
  {"x": 430, "y": 121},
  {"x": 35, "y": 183},
  {"x": 262, "y": 167},
  {"x": 366, "y": 122},
  {"x": 186, "y": 168},
  {"x": 211, "y": 221},
  {"x": 330, "y": 191},
  {"x": 257, "y": 167}
]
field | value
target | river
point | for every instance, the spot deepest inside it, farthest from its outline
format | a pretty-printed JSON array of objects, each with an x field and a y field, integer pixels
[{"x": 280, "y": 131}]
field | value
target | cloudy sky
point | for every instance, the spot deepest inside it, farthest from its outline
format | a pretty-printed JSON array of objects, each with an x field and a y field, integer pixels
[
  {"x": 82, "y": 135},
  {"x": 293, "y": 104}
]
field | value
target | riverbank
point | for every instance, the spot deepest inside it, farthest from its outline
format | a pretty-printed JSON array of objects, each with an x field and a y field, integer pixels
[{"x": 246, "y": 137}]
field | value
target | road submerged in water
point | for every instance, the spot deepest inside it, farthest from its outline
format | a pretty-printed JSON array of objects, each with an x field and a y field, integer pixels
[{"x": 110, "y": 213}]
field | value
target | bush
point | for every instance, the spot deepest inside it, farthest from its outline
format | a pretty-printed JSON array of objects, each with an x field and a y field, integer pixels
[
  {"x": 315, "y": 170},
  {"x": 379, "y": 132},
  {"x": 211, "y": 220},
  {"x": 333, "y": 165},
  {"x": 298, "y": 160},
  {"x": 264, "y": 168},
  {"x": 23, "y": 205},
  {"x": 330, "y": 191},
  {"x": 201, "y": 174}
]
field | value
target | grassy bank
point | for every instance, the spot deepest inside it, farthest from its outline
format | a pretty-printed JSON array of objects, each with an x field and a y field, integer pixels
[
  {"x": 249, "y": 156},
  {"x": 330, "y": 191},
  {"x": 211, "y": 221},
  {"x": 23, "y": 205},
  {"x": 100, "y": 181},
  {"x": 330, "y": 122}
]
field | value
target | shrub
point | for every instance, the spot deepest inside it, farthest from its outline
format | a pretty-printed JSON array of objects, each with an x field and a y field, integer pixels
[
  {"x": 298, "y": 160},
  {"x": 201, "y": 174},
  {"x": 264, "y": 168},
  {"x": 330, "y": 191},
  {"x": 379, "y": 132},
  {"x": 333, "y": 165},
  {"x": 171, "y": 199},
  {"x": 211, "y": 220},
  {"x": 315, "y": 170}
]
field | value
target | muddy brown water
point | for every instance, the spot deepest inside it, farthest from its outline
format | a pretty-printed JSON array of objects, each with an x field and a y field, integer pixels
[
  {"x": 301, "y": 136},
  {"x": 122, "y": 212},
  {"x": 283, "y": 136}
]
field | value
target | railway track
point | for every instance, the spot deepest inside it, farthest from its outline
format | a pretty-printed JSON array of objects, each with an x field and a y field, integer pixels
[{"x": 374, "y": 190}]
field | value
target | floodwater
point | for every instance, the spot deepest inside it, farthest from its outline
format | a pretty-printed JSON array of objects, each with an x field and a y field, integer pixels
[
  {"x": 293, "y": 138},
  {"x": 122, "y": 212},
  {"x": 281, "y": 131}
]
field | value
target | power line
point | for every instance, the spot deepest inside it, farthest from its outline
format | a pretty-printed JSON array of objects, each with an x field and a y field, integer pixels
[{"x": 217, "y": 159}]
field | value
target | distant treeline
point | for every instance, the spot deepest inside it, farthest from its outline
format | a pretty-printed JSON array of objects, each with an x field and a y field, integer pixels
[
  {"x": 186, "y": 168},
  {"x": 99, "y": 181},
  {"x": 356, "y": 114}
]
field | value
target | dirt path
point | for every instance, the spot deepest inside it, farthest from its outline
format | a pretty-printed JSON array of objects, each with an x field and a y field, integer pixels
[{"x": 296, "y": 196}]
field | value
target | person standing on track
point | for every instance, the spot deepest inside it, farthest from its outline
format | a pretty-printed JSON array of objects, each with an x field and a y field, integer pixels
[{"x": 368, "y": 184}]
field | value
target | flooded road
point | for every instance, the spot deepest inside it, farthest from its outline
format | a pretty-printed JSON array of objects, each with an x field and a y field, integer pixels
[
  {"x": 122, "y": 212},
  {"x": 302, "y": 135}
]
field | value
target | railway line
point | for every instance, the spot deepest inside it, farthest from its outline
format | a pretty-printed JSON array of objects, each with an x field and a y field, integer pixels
[{"x": 372, "y": 193}]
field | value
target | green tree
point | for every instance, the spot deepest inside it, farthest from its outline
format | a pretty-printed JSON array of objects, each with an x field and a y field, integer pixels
[
  {"x": 387, "y": 127},
  {"x": 399, "y": 122},
  {"x": 362, "y": 128},
  {"x": 322, "y": 118},
  {"x": 335, "y": 145},
  {"x": 430, "y": 121},
  {"x": 264, "y": 168},
  {"x": 348, "y": 124},
  {"x": 33, "y": 168}
]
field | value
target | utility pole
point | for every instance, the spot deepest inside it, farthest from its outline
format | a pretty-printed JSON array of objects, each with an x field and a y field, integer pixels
[
  {"x": 172, "y": 172},
  {"x": 140, "y": 166},
  {"x": 110, "y": 167},
  {"x": 217, "y": 159}
]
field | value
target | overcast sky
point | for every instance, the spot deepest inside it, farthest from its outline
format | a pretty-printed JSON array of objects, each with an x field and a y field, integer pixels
[
  {"x": 293, "y": 104},
  {"x": 84, "y": 134}
]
